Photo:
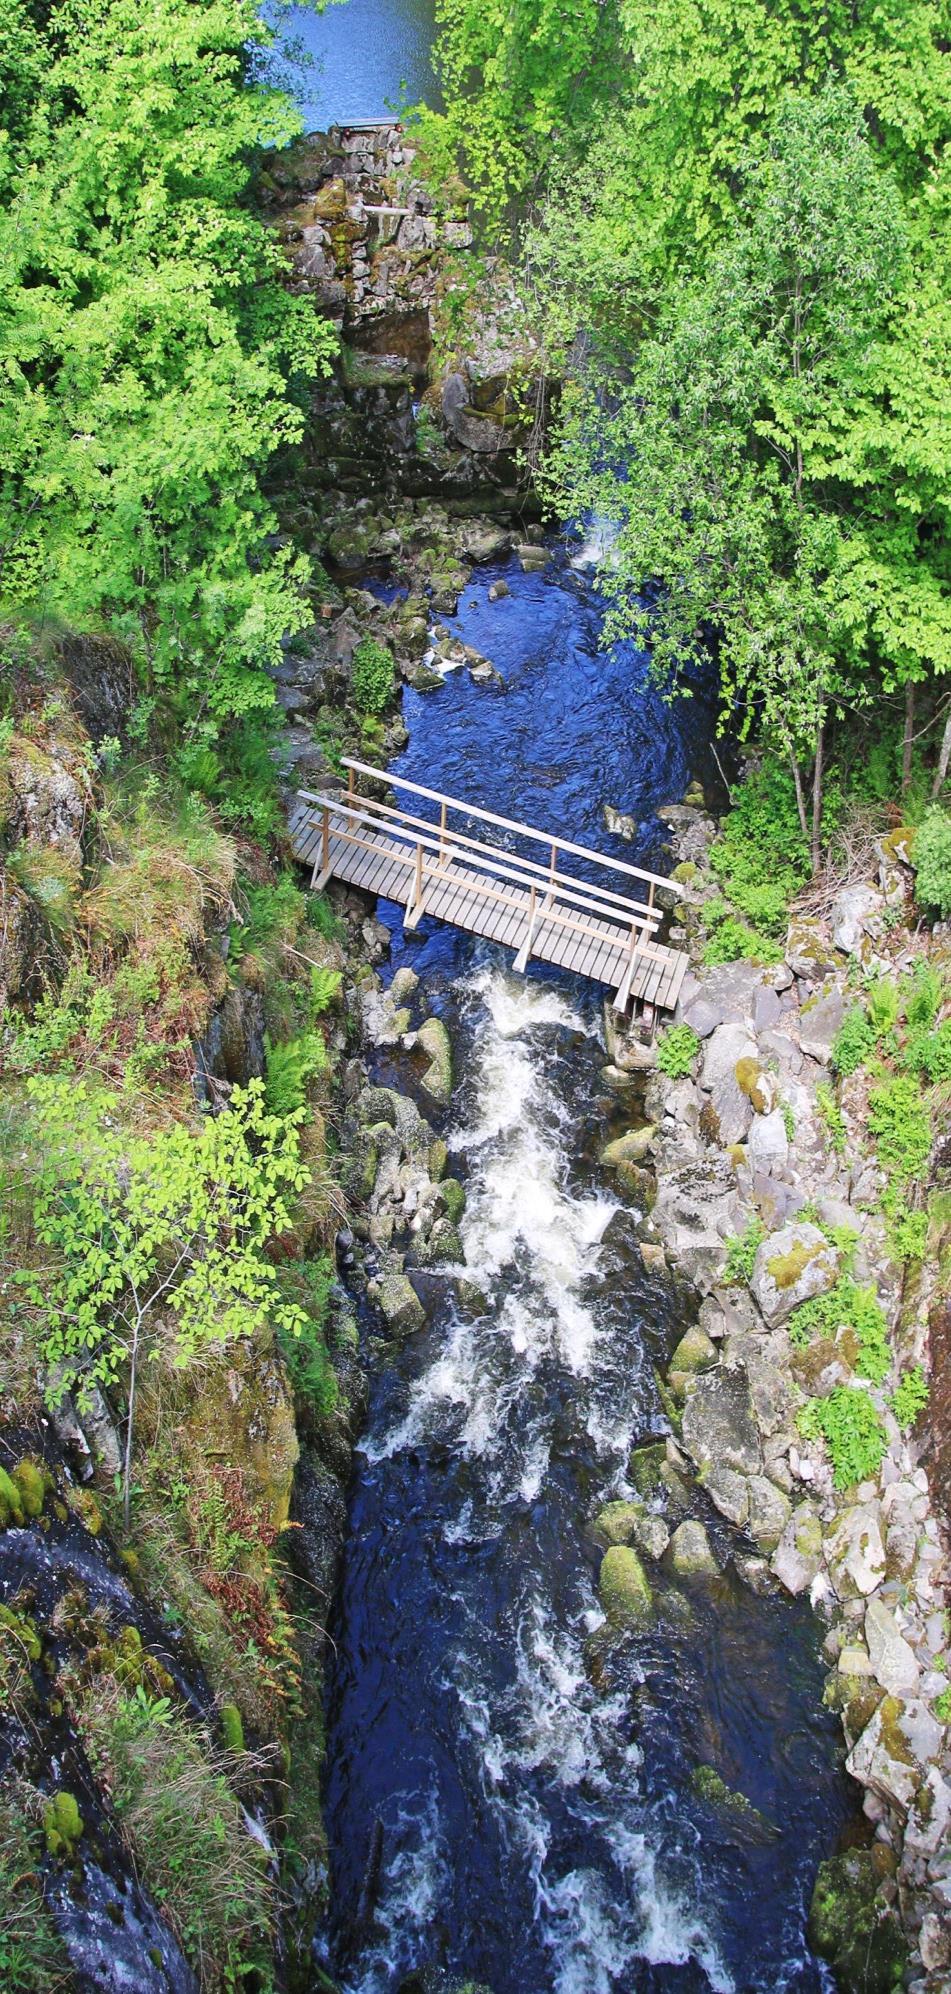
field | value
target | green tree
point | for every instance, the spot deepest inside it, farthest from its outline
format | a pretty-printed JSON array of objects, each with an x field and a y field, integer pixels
[
  {"x": 140, "y": 1226},
  {"x": 723, "y": 458},
  {"x": 151, "y": 359}
]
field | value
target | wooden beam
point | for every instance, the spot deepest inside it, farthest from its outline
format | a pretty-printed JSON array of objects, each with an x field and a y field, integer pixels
[
  {"x": 521, "y": 961},
  {"x": 415, "y": 897}
]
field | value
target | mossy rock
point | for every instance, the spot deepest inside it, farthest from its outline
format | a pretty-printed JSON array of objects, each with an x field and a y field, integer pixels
[
  {"x": 26, "y": 1636},
  {"x": 85, "y": 1508},
  {"x": 11, "y": 1501},
  {"x": 686, "y": 873},
  {"x": 232, "y": 1727},
  {"x": 437, "y": 1160},
  {"x": 453, "y": 1198},
  {"x": 35, "y": 1483},
  {"x": 433, "y": 1038},
  {"x": 759, "y": 1087},
  {"x": 852, "y": 1927},
  {"x": 645, "y": 1467},
  {"x": 63, "y": 1824},
  {"x": 625, "y": 1592},
  {"x": 714, "y": 1791}
]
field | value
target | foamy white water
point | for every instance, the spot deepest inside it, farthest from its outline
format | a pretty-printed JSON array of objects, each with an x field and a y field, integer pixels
[{"x": 533, "y": 1243}]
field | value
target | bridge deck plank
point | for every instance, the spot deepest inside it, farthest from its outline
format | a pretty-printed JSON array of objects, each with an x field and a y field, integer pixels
[{"x": 498, "y": 910}]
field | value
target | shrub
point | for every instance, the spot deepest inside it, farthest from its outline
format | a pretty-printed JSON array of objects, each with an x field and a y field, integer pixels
[
  {"x": 733, "y": 941},
  {"x": 324, "y": 990},
  {"x": 372, "y": 676},
  {"x": 932, "y": 856},
  {"x": 831, "y": 1116},
  {"x": 900, "y": 1125},
  {"x": 760, "y": 856},
  {"x": 847, "y": 1306},
  {"x": 290, "y": 1066},
  {"x": 884, "y": 1003},
  {"x": 32, "y": 1956},
  {"x": 929, "y": 1052},
  {"x": 676, "y": 1051},
  {"x": 909, "y": 1397},
  {"x": 923, "y": 994},
  {"x": 186, "y": 1830},
  {"x": 853, "y": 1041},
  {"x": 741, "y": 1250},
  {"x": 853, "y": 1432}
]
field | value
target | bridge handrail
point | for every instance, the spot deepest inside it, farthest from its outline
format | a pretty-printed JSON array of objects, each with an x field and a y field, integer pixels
[
  {"x": 510, "y": 824},
  {"x": 611, "y": 904},
  {"x": 576, "y": 894}
]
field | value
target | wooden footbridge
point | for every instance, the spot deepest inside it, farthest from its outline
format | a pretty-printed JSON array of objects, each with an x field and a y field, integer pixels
[{"x": 430, "y": 866}]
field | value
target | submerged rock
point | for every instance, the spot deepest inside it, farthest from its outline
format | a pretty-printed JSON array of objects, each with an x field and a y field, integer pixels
[
  {"x": 632, "y": 1523},
  {"x": 851, "y": 1925}
]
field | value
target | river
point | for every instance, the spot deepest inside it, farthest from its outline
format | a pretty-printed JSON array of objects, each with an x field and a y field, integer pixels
[
  {"x": 364, "y": 58},
  {"x": 542, "y": 1829}
]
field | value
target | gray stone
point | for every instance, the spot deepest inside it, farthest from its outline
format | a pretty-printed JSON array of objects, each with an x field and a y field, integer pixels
[
  {"x": 724, "y": 1049},
  {"x": 892, "y": 1659},
  {"x": 767, "y": 1142},
  {"x": 629, "y": 1148},
  {"x": 718, "y": 1424},
  {"x": 434, "y": 1040},
  {"x": 856, "y": 912},
  {"x": 703, "y": 1017},
  {"x": 798, "y": 1555},
  {"x": 690, "y": 1553},
  {"x": 729, "y": 1493},
  {"x": 819, "y": 1021},
  {"x": 767, "y": 1009},
  {"x": 929, "y": 1819},
  {"x": 399, "y": 1305},
  {"x": 809, "y": 951},
  {"x": 769, "y": 1512},
  {"x": 892, "y": 1751},
  {"x": 498, "y": 591},
  {"x": 792, "y": 1266},
  {"x": 855, "y": 1552},
  {"x": 695, "y": 1352}
]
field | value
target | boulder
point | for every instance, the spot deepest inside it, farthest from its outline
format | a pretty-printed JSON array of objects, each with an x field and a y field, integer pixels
[
  {"x": 719, "y": 1429},
  {"x": 792, "y": 1266},
  {"x": 725, "y": 1048},
  {"x": 729, "y": 1492},
  {"x": 853, "y": 1926},
  {"x": 891, "y": 1657},
  {"x": 434, "y": 1040},
  {"x": 768, "y": 1143},
  {"x": 695, "y": 1352},
  {"x": 702, "y": 1016},
  {"x": 689, "y": 1551},
  {"x": 769, "y": 1512},
  {"x": 809, "y": 950},
  {"x": 760, "y": 1087},
  {"x": 894, "y": 1749},
  {"x": 498, "y": 591},
  {"x": 629, "y": 1148},
  {"x": 645, "y": 1465},
  {"x": 855, "y": 1553},
  {"x": 482, "y": 542},
  {"x": 856, "y": 912},
  {"x": 798, "y": 1555},
  {"x": 632, "y": 1523},
  {"x": 624, "y": 1589},
  {"x": 819, "y": 1021},
  {"x": 398, "y": 1303}
]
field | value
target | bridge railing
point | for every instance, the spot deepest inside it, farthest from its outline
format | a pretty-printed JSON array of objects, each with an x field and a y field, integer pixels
[{"x": 429, "y": 851}]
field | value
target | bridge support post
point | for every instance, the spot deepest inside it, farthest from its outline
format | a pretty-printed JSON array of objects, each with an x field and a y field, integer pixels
[
  {"x": 414, "y": 906},
  {"x": 521, "y": 961}
]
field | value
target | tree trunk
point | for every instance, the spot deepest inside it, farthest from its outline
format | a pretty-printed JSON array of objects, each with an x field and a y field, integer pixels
[
  {"x": 800, "y": 793},
  {"x": 909, "y": 738},
  {"x": 944, "y": 759},
  {"x": 817, "y": 775},
  {"x": 127, "y": 1464}
]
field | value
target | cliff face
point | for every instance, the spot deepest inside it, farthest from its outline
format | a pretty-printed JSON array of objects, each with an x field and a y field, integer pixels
[{"x": 437, "y": 388}]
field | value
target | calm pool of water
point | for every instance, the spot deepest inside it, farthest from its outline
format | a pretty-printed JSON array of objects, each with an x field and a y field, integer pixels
[{"x": 369, "y": 58}]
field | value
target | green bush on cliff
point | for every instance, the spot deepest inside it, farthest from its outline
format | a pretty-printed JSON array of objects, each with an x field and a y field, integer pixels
[
  {"x": 900, "y": 1125},
  {"x": 847, "y": 1307},
  {"x": 146, "y": 1229},
  {"x": 853, "y": 1041},
  {"x": 372, "y": 676},
  {"x": 932, "y": 856},
  {"x": 677, "y": 1048},
  {"x": 852, "y": 1429},
  {"x": 289, "y": 1068},
  {"x": 909, "y": 1397}
]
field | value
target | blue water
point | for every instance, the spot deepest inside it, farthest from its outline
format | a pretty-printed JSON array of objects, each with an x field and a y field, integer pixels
[
  {"x": 367, "y": 59},
  {"x": 541, "y": 1833}
]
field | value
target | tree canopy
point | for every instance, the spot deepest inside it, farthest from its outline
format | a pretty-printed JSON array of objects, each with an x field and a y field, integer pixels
[{"x": 151, "y": 360}]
